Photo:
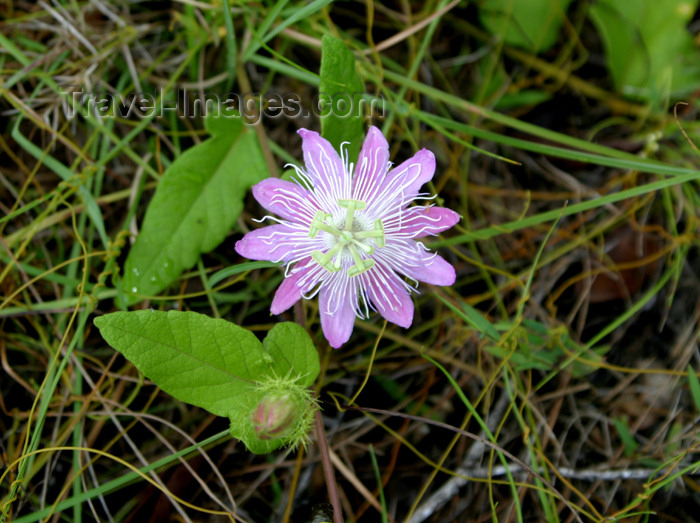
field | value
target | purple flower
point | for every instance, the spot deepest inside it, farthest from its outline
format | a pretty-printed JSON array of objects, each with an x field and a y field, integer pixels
[{"x": 351, "y": 239}]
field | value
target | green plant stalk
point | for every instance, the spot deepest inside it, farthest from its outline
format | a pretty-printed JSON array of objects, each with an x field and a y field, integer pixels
[
  {"x": 239, "y": 268},
  {"x": 534, "y": 449},
  {"x": 691, "y": 229},
  {"x": 694, "y": 385},
  {"x": 54, "y": 305},
  {"x": 49, "y": 275},
  {"x": 485, "y": 428},
  {"x": 191, "y": 40},
  {"x": 118, "y": 482},
  {"x": 72, "y": 272},
  {"x": 66, "y": 175},
  {"x": 415, "y": 64},
  {"x": 295, "y": 15},
  {"x": 471, "y": 108},
  {"x": 380, "y": 487},
  {"x": 231, "y": 49},
  {"x": 531, "y": 276},
  {"x": 260, "y": 29},
  {"x": 652, "y": 486},
  {"x": 19, "y": 56},
  {"x": 26, "y": 208},
  {"x": 202, "y": 272},
  {"x": 97, "y": 149},
  {"x": 77, "y": 441},
  {"x": 284, "y": 69},
  {"x": 45, "y": 395},
  {"x": 575, "y": 208}
]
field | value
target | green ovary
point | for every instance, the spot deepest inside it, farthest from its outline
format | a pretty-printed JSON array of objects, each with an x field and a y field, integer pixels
[{"x": 348, "y": 239}]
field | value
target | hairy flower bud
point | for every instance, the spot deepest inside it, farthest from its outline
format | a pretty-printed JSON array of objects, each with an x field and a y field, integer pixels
[
  {"x": 279, "y": 413},
  {"x": 276, "y": 415}
]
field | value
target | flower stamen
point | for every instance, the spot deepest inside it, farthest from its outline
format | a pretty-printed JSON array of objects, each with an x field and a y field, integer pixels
[
  {"x": 319, "y": 224},
  {"x": 348, "y": 239},
  {"x": 361, "y": 265},
  {"x": 324, "y": 259},
  {"x": 351, "y": 206},
  {"x": 377, "y": 233}
]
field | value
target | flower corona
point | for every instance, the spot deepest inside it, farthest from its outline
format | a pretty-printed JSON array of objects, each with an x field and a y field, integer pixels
[{"x": 349, "y": 234}]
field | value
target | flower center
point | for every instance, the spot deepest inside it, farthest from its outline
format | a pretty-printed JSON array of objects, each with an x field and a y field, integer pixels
[{"x": 352, "y": 238}]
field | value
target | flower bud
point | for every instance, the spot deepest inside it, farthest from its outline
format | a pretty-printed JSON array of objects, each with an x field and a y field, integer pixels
[{"x": 276, "y": 415}]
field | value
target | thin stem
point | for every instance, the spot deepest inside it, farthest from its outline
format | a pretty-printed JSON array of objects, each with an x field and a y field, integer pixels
[
  {"x": 293, "y": 487},
  {"x": 328, "y": 469}
]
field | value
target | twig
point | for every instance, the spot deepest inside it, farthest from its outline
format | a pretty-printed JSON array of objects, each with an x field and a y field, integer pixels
[
  {"x": 398, "y": 37},
  {"x": 328, "y": 469},
  {"x": 567, "y": 472},
  {"x": 352, "y": 478}
]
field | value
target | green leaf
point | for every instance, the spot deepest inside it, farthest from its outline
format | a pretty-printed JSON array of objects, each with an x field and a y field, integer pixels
[
  {"x": 292, "y": 351},
  {"x": 340, "y": 93},
  {"x": 531, "y": 24},
  {"x": 650, "y": 52},
  {"x": 196, "y": 204},
  {"x": 199, "y": 360},
  {"x": 221, "y": 367}
]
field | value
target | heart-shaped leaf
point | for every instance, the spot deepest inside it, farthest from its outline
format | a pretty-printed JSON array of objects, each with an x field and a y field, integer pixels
[{"x": 223, "y": 368}]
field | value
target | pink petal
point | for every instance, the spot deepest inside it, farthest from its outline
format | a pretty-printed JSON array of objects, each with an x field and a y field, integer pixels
[
  {"x": 390, "y": 297},
  {"x": 288, "y": 293},
  {"x": 415, "y": 172},
  {"x": 421, "y": 221},
  {"x": 412, "y": 259},
  {"x": 271, "y": 243},
  {"x": 372, "y": 165},
  {"x": 286, "y": 199},
  {"x": 324, "y": 166},
  {"x": 337, "y": 315},
  {"x": 432, "y": 269},
  {"x": 403, "y": 183}
]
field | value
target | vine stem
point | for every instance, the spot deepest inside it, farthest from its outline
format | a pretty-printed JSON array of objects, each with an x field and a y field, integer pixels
[{"x": 328, "y": 469}]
